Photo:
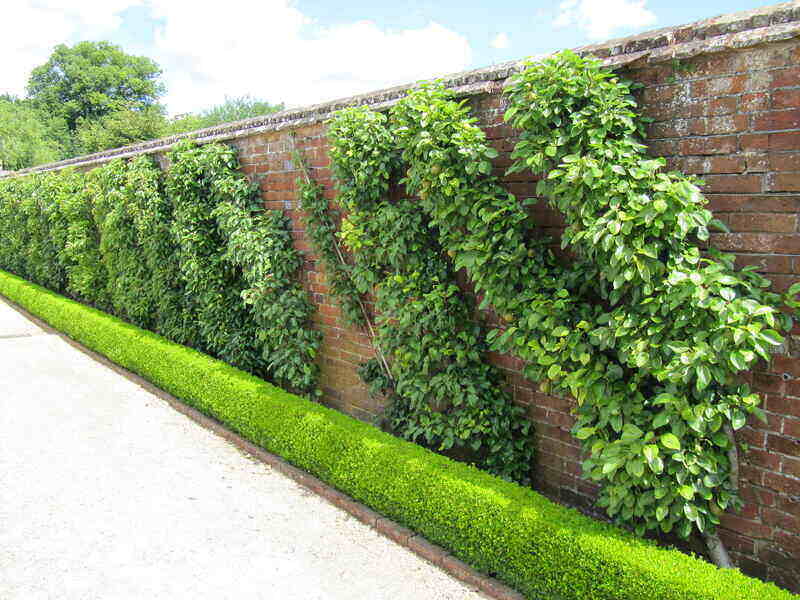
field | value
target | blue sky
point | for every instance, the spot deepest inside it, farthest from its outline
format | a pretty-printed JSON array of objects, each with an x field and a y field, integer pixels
[{"x": 306, "y": 51}]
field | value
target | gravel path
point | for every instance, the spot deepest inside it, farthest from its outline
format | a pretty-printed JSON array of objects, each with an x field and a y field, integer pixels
[{"x": 106, "y": 492}]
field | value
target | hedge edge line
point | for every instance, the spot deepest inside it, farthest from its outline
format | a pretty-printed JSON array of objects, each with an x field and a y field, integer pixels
[
  {"x": 497, "y": 527},
  {"x": 384, "y": 526}
]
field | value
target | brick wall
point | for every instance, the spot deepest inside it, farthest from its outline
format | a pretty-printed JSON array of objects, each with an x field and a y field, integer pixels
[
  {"x": 728, "y": 112},
  {"x": 733, "y": 119}
]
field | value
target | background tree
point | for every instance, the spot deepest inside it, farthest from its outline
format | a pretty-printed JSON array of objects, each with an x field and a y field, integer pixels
[
  {"x": 27, "y": 138},
  {"x": 92, "y": 79},
  {"x": 119, "y": 128},
  {"x": 93, "y": 96},
  {"x": 232, "y": 109}
]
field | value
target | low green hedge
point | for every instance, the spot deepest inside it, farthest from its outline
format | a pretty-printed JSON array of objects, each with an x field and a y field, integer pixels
[{"x": 534, "y": 545}]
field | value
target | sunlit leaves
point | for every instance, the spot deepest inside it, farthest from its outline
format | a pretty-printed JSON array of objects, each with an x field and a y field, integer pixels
[{"x": 655, "y": 377}]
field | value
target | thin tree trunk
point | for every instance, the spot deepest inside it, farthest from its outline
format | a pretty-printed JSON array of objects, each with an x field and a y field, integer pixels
[
  {"x": 733, "y": 458},
  {"x": 371, "y": 331},
  {"x": 716, "y": 549}
]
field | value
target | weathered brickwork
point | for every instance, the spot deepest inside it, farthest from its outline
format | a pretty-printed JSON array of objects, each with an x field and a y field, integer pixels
[{"x": 727, "y": 110}]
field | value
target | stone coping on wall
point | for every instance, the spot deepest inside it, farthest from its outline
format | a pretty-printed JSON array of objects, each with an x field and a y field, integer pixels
[{"x": 719, "y": 34}]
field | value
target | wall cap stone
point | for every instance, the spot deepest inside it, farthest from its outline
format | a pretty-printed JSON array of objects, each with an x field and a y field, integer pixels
[{"x": 729, "y": 32}]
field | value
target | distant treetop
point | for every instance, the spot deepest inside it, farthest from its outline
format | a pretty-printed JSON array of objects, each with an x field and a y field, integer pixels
[{"x": 92, "y": 79}]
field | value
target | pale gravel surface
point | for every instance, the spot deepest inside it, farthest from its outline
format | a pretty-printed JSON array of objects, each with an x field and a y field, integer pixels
[{"x": 107, "y": 492}]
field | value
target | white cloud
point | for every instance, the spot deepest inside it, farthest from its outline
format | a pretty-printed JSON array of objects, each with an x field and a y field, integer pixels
[
  {"x": 270, "y": 49},
  {"x": 264, "y": 48},
  {"x": 501, "y": 41},
  {"x": 599, "y": 19},
  {"x": 30, "y": 29}
]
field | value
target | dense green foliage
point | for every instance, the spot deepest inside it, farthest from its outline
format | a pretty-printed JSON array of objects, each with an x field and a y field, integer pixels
[
  {"x": 92, "y": 79},
  {"x": 119, "y": 128},
  {"x": 652, "y": 349},
  {"x": 128, "y": 126},
  {"x": 232, "y": 109},
  {"x": 444, "y": 393},
  {"x": 191, "y": 256},
  {"x": 26, "y": 136},
  {"x": 321, "y": 228},
  {"x": 542, "y": 549},
  {"x": 645, "y": 331}
]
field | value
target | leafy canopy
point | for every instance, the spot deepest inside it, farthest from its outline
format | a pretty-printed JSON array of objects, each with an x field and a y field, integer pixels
[
  {"x": 26, "y": 136},
  {"x": 232, "y": 109},
  {"x": 119, "y": 128},
  {"x": 92, "y": 79}
]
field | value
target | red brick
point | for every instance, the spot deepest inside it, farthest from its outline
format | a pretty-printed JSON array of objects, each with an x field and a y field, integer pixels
[
  {"x": 784, "y": 182},
  {"x": 784, "y": 161},
  {"x": 788, "y": 503},
  {"x": 782, "y": 483},
  {"x": 784, "y": 445},
  {"x": 789, "y": 542},
  {"x": 785, "y": 77},
  {"x": 775, "y": 120},
  {"x": 392, "y": 530},
  {"x": 722, "y": 106},
  {"x": 709, "y": 145},
  {"x": 754, "y": 203},
  {"x": 778, "y": 223},
  {"x": 725, "y": 85},
  {"x": 763, "y": 459},
  {"x": 791, "y": 466},
  {"x": 735, "y": 542},
  {"x": 757, "y": 242},
  {"x": 786, "y": 98},
  {"x": 753, "y": 437},
  {"x": 791, "y": 428},
  {"x": 793, "y": 389},
  {"x": 766, "y": 263},
  {"x": 768, "y": 384},
  {"x": 754, "y": 141},
  {"x": 741, "y": 184},
  {"x": 753, "y": 102},
  {"x": 789, "y": 140},
  {"x": 461, "y": 570},
  {"x": 425, "y": 549},
  {"x": 772, "y": 556}
]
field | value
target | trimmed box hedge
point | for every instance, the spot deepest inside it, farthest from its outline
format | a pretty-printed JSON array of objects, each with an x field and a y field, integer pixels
[{"x": 540, "y": 548}]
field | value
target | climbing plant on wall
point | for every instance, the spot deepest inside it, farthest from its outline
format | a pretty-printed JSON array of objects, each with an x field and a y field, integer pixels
[
  {"x": 191, "y": 256},
  {"x": 680, "y": 320},
  {"x": 645, "y": 327},
  {"x": 238, "y": 266},
  {"x": 444, "y": 394}
]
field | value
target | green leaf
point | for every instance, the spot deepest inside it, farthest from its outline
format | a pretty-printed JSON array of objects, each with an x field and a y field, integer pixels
[
  {"x": 738, "y": 361},
  {"x": 703, "y": 377},
  {"x": 661, "y": 512},
  {"x": 669, "y": 440},
  {"x": 661, "y": 419},
  {"x": 772, "y": 337},
  {"x": 631, "y": 432},
  {"x": 686, "y": 491},
  {"x": 635, "y": 467}
]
